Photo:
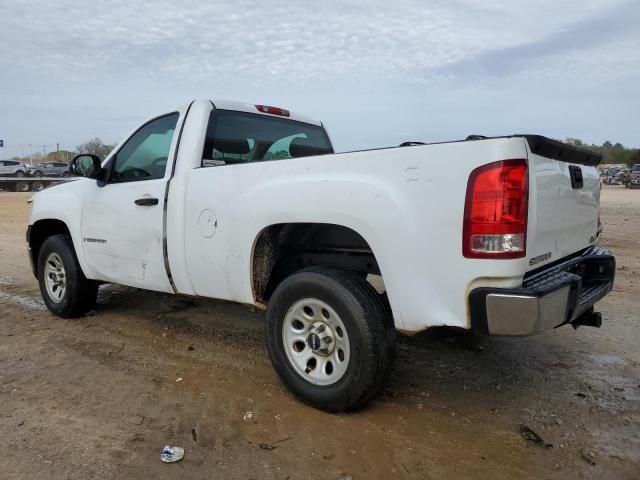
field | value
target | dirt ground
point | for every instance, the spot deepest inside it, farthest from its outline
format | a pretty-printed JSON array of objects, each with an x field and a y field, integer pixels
[{"x": 98, "y": 397}]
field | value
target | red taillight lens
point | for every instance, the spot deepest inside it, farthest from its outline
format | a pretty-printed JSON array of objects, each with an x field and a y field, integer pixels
[
  {"x": 273, "y": 110},
  {"x": 495, "y": 211}
]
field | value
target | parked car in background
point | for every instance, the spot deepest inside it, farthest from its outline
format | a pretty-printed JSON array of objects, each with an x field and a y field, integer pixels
[
  {"x": 51, "y": 169},
  {"x": 632, "y": 179},
  {"x": 12, "y": 168}
]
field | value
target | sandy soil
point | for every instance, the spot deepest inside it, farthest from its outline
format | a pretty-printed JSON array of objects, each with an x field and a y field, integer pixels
[{"x": 98, "y": 397}]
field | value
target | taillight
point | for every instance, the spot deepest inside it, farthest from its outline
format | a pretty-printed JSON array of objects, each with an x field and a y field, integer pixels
[
  {"x": 495, "y": 211},
  {"x": 273, "y": 110}
]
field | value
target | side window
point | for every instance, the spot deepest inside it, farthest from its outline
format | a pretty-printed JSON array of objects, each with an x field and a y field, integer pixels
[
  {"x": 144, "y": 156},
  {"x": 240, "y": 137}
]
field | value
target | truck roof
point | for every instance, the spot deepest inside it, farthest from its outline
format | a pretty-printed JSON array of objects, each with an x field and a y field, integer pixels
[{"x": 251, "y": 108}]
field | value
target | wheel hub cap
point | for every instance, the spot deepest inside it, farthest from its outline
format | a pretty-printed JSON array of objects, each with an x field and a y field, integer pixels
[
  {"x": 316, "y": 342},
  {"x": 321, "y": 340},
  {"x": 55, "y": 279}
]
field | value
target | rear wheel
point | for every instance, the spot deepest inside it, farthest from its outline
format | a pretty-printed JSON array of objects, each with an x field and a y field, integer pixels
[
  {"x": 329, "y": 338},
  {"x": 38, "y": 186},
  {"x": 65, "y": 290},
  {"x": 37, "y": 173},
  {"x": 22, "y": 187}
]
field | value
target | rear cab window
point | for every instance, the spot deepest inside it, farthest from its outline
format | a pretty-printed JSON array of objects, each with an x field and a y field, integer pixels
[{"x": 238, "y": 137}]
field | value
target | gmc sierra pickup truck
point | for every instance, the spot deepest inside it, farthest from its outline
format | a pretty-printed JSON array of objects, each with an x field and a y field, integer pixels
[{"x": 249, "y": 203}]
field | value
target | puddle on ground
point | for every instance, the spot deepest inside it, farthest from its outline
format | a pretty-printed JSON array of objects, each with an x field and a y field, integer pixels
[
  {"x": 5, "y": 280},
  {"x": 28, "y": 302}
]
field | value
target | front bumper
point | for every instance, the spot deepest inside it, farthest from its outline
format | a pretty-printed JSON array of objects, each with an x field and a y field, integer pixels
[{"x": 549, "y": 297}]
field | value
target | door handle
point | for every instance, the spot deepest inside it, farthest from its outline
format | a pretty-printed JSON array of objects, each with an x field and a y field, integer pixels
[{"x": 146, "y": 201}]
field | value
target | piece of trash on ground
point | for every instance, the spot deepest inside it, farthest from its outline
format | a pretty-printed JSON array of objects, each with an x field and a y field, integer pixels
[
  {"x": 194, "y": 435},
  {"x": 587, "y": 456},
  {"x": 247, "y": 416},
  {"x": 533, "y": 437},
  {"x": 171, "y": 454},
  {"x": 179, "y": 379},
  {"x": 273, "y": 446}
]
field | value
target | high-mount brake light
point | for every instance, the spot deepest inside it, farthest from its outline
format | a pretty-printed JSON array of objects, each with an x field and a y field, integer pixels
[
  {"x": 495, "y": 211},
  {"x": 273, "y": 110}
]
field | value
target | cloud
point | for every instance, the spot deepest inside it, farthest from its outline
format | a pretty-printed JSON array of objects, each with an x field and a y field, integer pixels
[{"x": 370, "y": 69}]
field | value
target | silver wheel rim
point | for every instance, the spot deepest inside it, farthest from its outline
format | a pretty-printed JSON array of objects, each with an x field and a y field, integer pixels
[
  {"x": 55, "y": 278},
  {"x": 23, "y": 187},
  {"x": 38, "y": 186},
  {"x": 316, "y": 342}
]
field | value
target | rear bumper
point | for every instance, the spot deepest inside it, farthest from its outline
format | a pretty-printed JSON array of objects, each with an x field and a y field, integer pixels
[{"x": 562, "y": 293}]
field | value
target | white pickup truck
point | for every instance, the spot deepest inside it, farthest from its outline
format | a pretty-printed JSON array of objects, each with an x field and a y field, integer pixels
[{"x": 249, "y": 203}]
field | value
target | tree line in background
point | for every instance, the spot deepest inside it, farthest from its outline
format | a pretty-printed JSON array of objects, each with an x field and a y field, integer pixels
[
  {"x": 612, "y": 153},
  {"x": 95, "y": 146}
]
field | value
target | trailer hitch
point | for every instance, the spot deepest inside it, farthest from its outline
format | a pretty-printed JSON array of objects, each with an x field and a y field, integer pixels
[{"x": 588, "y": 319}]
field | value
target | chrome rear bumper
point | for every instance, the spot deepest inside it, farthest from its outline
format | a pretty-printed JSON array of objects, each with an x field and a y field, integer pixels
[{"x": 562, "y": 293}]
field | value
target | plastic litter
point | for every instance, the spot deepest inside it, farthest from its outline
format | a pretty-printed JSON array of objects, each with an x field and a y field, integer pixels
[
  {"x": 533, "y": 437},
  {"x": 171, "y": 454},
  {"x": 247, "y": 416}
]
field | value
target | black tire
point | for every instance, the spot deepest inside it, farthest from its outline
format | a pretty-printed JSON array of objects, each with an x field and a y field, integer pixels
[
  {"x": 369, "y": 328},
  {"x": 19, "y": 174},
  {"x": 22, "y": 187},
  {"x": 80, "y": 293},
  {"x": 37, "y": 174},
  {"x": 38, "y": 186},
  {"x": 66, "y": 174}
]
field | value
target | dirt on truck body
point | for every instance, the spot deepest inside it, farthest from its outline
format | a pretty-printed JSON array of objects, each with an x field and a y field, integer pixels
[{"x": 99, "y": 396}]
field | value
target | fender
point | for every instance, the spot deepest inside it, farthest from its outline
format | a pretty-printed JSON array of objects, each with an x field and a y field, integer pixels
[
  {"x": 349, "y": 206},
  {"x": 64, "y": 203}
]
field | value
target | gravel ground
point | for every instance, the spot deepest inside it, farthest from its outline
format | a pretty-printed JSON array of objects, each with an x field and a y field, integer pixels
[{"x": 98, "y": 397}]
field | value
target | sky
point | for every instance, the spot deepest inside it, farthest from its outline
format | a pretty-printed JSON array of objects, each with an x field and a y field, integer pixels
[{"x": 377, "y": 73}]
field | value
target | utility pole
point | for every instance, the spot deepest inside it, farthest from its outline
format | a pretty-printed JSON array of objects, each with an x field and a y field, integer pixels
[
  {"x": 44, "y": 152},
  {"x": 57, "y": 151}
]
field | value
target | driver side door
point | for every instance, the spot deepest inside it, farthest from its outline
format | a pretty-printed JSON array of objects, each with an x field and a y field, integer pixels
[{"x": 123, "y": 221}]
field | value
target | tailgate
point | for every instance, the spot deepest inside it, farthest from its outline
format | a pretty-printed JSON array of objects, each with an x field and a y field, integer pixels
[{"x": 564, "y": 196}]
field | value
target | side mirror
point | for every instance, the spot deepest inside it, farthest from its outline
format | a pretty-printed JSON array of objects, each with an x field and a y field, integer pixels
[{"x": 85, "y": 165}]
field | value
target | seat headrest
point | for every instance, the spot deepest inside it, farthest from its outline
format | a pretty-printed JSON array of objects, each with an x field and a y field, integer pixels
[
  {"x": 228, "y": 145},
  {"x": 299, "y": 148}
]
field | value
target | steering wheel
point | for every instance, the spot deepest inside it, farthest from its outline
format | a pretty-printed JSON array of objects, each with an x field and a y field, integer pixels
[{"x": 135, "y": 172}]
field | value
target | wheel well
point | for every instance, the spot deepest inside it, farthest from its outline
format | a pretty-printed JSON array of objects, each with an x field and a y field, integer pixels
[
  {"x": 40, "y": 231},
  {"x": 281, "y": 249}
]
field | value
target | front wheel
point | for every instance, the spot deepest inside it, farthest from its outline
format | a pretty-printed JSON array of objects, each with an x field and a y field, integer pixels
[
  {"x": 65, "y": 290},
  {"x": 329, "y": 338},
  {"x": 19, "y": 174}
]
